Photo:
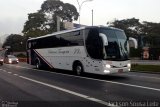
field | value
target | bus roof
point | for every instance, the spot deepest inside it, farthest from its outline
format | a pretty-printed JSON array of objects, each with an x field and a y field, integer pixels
[{"x": 76, "y": 29}]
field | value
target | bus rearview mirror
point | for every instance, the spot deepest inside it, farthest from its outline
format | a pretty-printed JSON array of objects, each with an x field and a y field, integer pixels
[
  {"x": 104, "y": 39},
  {"x": 133, "y": 42}
]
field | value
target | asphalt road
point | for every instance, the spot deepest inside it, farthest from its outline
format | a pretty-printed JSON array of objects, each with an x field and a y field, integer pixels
[{"x": 23, "y": 86}]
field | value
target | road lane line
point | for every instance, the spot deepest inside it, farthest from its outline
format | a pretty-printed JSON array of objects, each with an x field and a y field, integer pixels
[
  {"x": 119, "y": 83},
  {"x": 9, "y": 72},
  {"x": 15, "y": 74},
  {"x": 70, "y": 92},
  {"x": 4, "y": 70}
]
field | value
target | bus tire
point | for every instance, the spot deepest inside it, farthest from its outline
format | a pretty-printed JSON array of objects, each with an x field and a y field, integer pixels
[{"x": 78, "y": 68}]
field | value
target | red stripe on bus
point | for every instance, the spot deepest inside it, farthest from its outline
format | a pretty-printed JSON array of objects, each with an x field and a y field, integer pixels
[{"x": 43, "y": 59}]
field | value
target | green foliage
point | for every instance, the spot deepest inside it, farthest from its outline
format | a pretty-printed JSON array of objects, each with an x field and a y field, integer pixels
[
  {"x": 45, "y": 20},
  {"x": 21, "y": 55},
  {"x": 16, "y": 42},
  {"x": 132, "y": 27},
  {"x": 35, "y": 25},
  {"x": 151, "y": 29},
  {"x": 66, "y": 11}
]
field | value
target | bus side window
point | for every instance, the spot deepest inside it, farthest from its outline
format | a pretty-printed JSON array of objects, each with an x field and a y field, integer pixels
[{"x": 71, "y": 39}]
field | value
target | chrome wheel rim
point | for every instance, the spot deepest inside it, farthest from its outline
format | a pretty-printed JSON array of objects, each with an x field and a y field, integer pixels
[
  {"x": 37, "y": 65},
  {"x": 79, "y": 70}
]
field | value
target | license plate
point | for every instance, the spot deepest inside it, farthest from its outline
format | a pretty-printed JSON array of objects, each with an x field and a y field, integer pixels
[{"x": 120, "y": 70}]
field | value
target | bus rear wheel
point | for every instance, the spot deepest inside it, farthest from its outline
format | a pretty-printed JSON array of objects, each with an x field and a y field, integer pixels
[{"x": 78, "y": 69}]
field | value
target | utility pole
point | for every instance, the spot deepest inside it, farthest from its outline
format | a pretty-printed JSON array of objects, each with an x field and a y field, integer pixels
[
  {"x": 92, "y": 17},
  {"x": 80, "y": 7},
  {"x": 58, "y": 23}
]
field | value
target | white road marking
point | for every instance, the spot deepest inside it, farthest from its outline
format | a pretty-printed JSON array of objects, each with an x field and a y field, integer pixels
[
  {"x": 9, "y": 72},
  {"x": 4, "y": 70},
  {"x": 119, "y": 83},
  {"x": 70, "y": 92},
  {"x": 65, "y": 90},
  {"x": 15, "y": 74}
]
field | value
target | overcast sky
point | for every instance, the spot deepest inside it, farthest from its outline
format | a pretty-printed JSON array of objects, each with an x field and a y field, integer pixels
[{"x": 13, "y": 13}]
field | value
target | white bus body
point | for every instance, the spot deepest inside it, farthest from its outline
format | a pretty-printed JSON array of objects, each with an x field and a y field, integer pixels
[{"x": 81, "y": 50}]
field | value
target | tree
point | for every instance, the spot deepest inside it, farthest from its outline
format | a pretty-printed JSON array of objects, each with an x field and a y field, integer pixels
[
  {"x": 45, "y": 20},
  {"x": 132, "y": 27},
  {"x": 35, "y": 26},
  {"x": 54, "y": 8},
  {"x": 151, "y": 29},
  {"x": 16, "y": 42}
]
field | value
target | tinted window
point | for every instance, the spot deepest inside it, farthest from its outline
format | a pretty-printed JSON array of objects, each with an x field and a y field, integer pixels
[
  {"x": 72, "y": 39},
  {"x": 117, "y": 48},
  {"x": 61, "y": 40},
  {"x": 94, "y": 44}
]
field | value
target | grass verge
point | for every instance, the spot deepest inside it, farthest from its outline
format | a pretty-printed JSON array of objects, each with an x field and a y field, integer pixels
[{"x": 149, "y": 68}]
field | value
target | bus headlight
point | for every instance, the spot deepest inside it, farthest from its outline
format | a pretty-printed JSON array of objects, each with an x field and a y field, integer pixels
[
  {"x": 106, "y": 71},
  {"x": 108, "y": 66},
  {"x": 129, "y": 65}
]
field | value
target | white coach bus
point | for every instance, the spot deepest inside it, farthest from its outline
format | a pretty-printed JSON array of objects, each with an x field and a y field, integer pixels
[{"x": 98, "y": 50}]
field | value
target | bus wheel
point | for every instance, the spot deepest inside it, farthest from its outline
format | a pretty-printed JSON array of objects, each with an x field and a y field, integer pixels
[{"x": 78, "y": 68}]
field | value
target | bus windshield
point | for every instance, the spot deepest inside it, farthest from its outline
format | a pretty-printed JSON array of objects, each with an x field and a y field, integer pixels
[{"x": 117, "y": 48}]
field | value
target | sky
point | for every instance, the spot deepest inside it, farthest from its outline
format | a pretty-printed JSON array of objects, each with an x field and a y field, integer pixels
[{"x": 14, "y": 13}]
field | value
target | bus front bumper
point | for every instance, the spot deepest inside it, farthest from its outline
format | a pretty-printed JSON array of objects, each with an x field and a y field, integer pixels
[
  {"x": 116, "y": 70},
  {"x": 116, "y": 67}
]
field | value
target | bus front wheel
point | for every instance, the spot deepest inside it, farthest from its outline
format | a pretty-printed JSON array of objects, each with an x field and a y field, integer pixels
[{"x": 78, "y": 69}]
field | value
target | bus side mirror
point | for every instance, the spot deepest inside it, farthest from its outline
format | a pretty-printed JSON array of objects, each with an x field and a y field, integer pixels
[
  {"x": 133, "y": 42},
  {"x": 104, "y": 39}
]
